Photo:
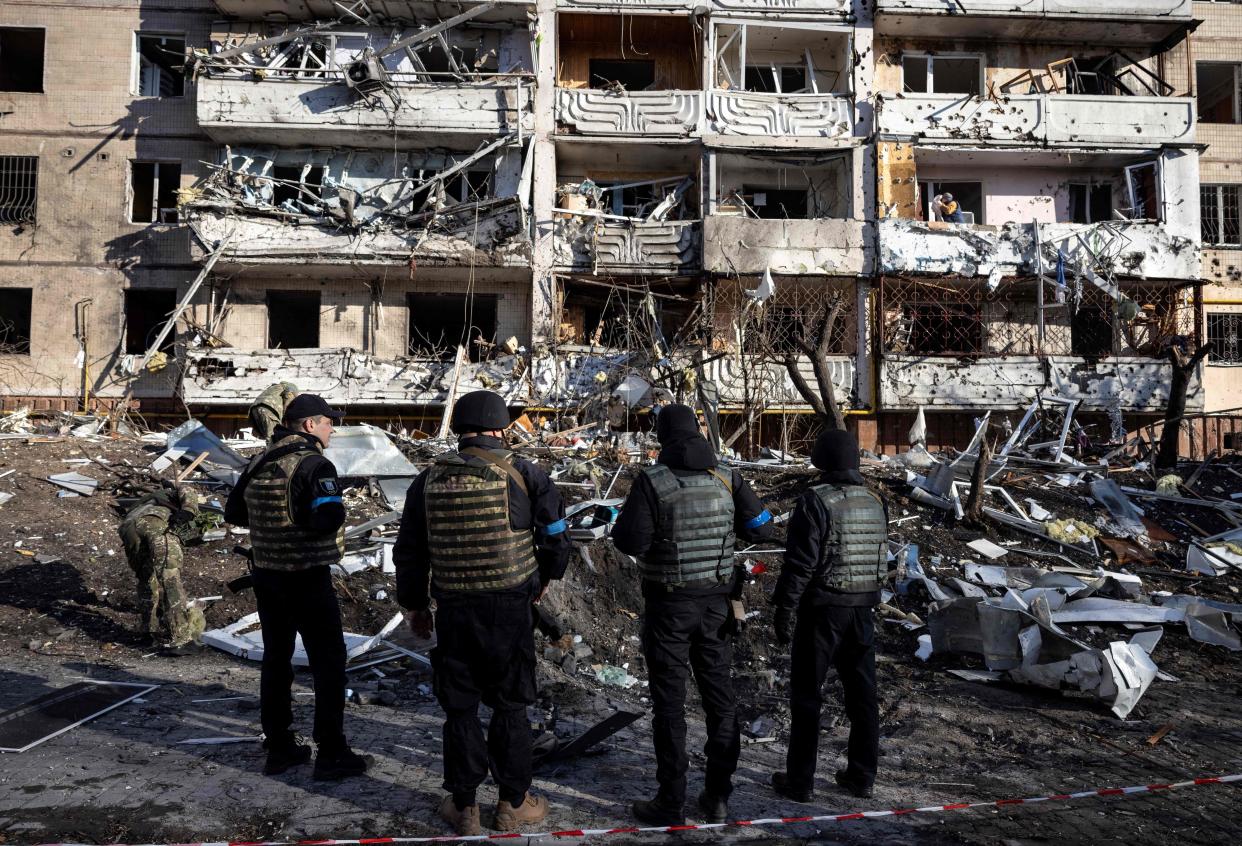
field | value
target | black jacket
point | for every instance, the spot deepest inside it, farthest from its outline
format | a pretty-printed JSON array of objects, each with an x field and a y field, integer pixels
[
  {"x": 314, "y": 492},
  {"x": 804, "y": 542},
  {"x": 543, "y": 512},
  {"x": 635, "y": 529}
]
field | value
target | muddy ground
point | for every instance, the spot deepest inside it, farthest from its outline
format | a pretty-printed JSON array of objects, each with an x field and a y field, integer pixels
[{"x": 67, "y": 609}]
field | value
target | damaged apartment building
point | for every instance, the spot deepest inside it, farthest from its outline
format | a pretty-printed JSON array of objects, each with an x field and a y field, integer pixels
[{"x": 589, "y": 205}]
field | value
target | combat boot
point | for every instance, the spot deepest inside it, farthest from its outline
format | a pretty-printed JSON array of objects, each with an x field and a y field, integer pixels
[
  {"x": 336, "y": 764},
  {"x": 654, "y": 812},
  {"x": 529, "y": 811},
  {"x": 281, "y": 756},
  {"x": 465, "y": 821}
]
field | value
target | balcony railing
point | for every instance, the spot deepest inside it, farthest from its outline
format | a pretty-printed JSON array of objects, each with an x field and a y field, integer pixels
[
  {"x": 798, "y": 115},
  {"x": 591, "y": 112},
  {"x": 803, "y": 247},
  {"x": 1044, "y": 119},
  {"x": 671, "y": 247}
]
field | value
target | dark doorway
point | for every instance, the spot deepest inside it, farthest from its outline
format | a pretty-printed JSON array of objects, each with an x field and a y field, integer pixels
[
  {"x": 633, "y": 74},
  {"x": 15, "y": 307},
  {"x": 146, "y": 312},
  {"x": 776, "y": 203},
  {"x": 439, "y": 323},
  {"x": 21, "y": 59},
  {"x": 1091, "y": 203},
  {"x": 293, "y": 319}
]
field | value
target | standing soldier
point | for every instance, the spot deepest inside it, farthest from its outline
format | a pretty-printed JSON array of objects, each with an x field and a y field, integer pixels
[
  {"x": 680, "y": 520},
  {"x": 290, "y": 498},
  {"x": 835, "y": 560},
  {"x": 269, "y": 409},
  {"x": 152, "y": 533},
  {"x": 483, "y": 533}
]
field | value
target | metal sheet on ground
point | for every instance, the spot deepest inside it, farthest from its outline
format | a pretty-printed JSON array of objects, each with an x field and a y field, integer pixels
[{"x": 41, "y": 719}]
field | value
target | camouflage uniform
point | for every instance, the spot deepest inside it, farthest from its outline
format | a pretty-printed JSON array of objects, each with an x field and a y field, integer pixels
[
  {"x": 153, "y": 549},
  {"x": 269, "y": 409}
]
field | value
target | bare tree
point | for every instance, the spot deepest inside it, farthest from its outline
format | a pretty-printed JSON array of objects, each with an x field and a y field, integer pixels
[
  {"x": 811, "y": 336},
  {"x": 1179, "y": 385}
]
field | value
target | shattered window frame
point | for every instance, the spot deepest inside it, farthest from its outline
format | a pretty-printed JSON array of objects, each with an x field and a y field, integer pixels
[
  {"x": 159, "y": 214},
  {"x": 19, "y": 189},
  {"x": 1220, "y": 209},
  {"x": 1224, "y": 333},
  {"x": 930, "y": 80},
  {"x": 21, "y": 82},
  {"x": 145, "y": 70},
  {"x": 16, "y": 320}
]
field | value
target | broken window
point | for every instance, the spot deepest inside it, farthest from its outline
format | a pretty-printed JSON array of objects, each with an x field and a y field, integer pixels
[
  {"x": 928, "y": 74},
  {"x": 1218, "y": 214},
  {"x": 18, "y": 188},
  {"x": 775, "y": 79},
  {"x": 160, "y": 65},
  {"x": 21, "y": 59},
  {"x": 1143, "y": 184},
  {"x": 146, "y": 312},
  {"x": 153, "y": 191},
  {"x": 944, "y": 328},
  {"x": 439, "y": 323},
  {"x": 631, "y": 74},
  {"x": 639, "y": 199},
  {"x": 1218, "y": 87},
  {"x": 776, "y": 203},
  {"x": 292, "y": 320},
  {"x": 15, "y": 307},
  {"x": 1090, "y": 202},
  {"x": 1091, "y": 330},
  {"x": 967, "y": 195},
  {"x": 1224, "y": 332},
  {"x": 296, "y": 183},
  {"x": 471, "y": 186}
]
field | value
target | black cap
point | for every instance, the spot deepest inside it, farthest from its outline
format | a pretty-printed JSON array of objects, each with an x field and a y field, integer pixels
[
  {"x": 480, "y": 411},
  {"x": 676, "y": 422},
  {"x": 311, "y": 405}
]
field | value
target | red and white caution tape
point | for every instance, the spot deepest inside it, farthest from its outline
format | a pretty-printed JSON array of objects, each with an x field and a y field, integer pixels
[{"x": 773, "y": 821}]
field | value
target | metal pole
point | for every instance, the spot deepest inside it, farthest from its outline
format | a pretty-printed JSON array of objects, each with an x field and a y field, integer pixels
[{"x": 1039, "y": 287}]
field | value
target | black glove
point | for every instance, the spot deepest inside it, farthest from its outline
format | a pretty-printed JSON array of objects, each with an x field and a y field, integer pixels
[{"x": 783, "y": 623}]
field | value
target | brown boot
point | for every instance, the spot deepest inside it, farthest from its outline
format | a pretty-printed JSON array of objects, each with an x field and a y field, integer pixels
[
  {"x": 465, "y": 822},
  {"x": 532, "y": 810}
]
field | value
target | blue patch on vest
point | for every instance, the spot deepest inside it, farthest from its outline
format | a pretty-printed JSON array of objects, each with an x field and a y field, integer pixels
[
  {"x": 756, "y": 522},
  {"x": 321, "y": 500},
  {"x": 554, "y": 528}
]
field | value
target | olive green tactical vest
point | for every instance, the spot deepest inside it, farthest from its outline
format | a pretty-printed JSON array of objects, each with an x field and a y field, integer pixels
[
  {"x": 279, "y": 543},
  {"x": 855, "y": 556},
  {"x": 471, "y": 543},
  {"x": 694, "y": 540}
]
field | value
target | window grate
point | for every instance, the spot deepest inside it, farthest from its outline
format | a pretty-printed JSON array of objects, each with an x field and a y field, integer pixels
[
  {"x": 1223, "y": 331},
  {"x": 1219, "y": 215},
  {"x": 18, "y": 188}
]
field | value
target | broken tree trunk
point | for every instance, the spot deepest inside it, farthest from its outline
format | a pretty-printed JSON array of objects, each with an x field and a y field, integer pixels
[
  {"x": 1179, "y": 386},
  {"x": 979, "y": 478},
  {"x": 823, "y": 400}
]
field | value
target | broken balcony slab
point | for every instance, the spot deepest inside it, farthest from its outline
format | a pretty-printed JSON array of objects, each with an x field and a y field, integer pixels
[
  {"x": 1150, "y": 249},
  {"x": 1011, "y": 382},
  {"x": 248, "y": 111},
  {"x": 585, "y": 243},
  {"x": 422, "y": 11},
  {"x": 826, "y": 247},
  {"x": 1127, "y": 22},
  {"x": 342, "y": 377},
  {"x": 1038, "y": 119}
]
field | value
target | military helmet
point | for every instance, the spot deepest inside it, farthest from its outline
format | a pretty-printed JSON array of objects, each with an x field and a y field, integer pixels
[{"x": 480, "y": 411}]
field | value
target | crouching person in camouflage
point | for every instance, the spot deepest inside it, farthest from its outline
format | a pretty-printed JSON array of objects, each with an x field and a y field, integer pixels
[{"x": 153, "y": 531}]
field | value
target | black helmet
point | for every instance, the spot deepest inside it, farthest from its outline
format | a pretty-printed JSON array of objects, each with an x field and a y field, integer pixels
[
  {"x": 480, "y": 411},
  {"x": 835, "y": 451}
]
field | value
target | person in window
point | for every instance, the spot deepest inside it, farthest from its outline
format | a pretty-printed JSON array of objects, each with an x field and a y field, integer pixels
[{"x": 947, "y": 208}]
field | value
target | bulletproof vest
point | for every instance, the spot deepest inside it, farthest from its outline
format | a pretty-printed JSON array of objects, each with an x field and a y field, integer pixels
[
  {"x": 855, "y": 557},
  {"x": 471, "y": 543},
  {"x": 694, "y": 536},
  {"x": 278, "y": 543}
]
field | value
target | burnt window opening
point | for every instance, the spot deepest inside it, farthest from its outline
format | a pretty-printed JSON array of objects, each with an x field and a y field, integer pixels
[
  {"x": 161, "y": 65},
  {"x": 439, "y": 323},
  {"x": 967, "y": 195},
  {"x": 15, "y": 309},
  {"x": 292, "y": 320},
  {"x": 777, "y": 203},
  {"x": 292, "y": 188},
  {"x": 1090, "y": 202},
  {"x": 1218, "y": 89},
  {"x": 19, "y": 182},
  {"x": 1091, "y": 332},
  {"x": 631, "y": 74},
  {"x": 21, "y": 59},
  {"x": 146, "y": 312},
  {"x": 436, "y": 60},
  {"x": 943, "y": 328},
  {"x": 781, "y": 79},
  {"x": 1143, "y": 184},
  {"x": 1224, "y": 333},
  {"x": 153, "y": 191},
  {"x": 472, "y": 186},
  {"x": 1219, "y": 215},
  {"x": 928, "y": 74}
]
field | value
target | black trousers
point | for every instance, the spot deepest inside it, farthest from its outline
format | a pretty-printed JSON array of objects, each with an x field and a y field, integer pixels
[
  {"x": 684, "y": 634},
  {"x": 292, "y": 603},
  {"x": 485, "y": 652},
  {"x": 841, "y": 637}
]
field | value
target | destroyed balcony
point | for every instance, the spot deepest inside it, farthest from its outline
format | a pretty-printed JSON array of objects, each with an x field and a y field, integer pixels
[
  {"x": 314, "y": 112},
  {"x": 596, "y": 245},
  {"x": 1040, "y": 119},
  {"x": 1119, "y": 22},
  {"x": 734, "y": 244},
  {"x": 1135, "y": 249},
  {"x": 499, "y": 11}
]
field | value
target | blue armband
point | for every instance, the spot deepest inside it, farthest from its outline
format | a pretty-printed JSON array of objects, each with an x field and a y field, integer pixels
[
  {"x": 322, "y": 500},
  {"x": 553, "y": 528},
  {"x": 755, "y": 522}
]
